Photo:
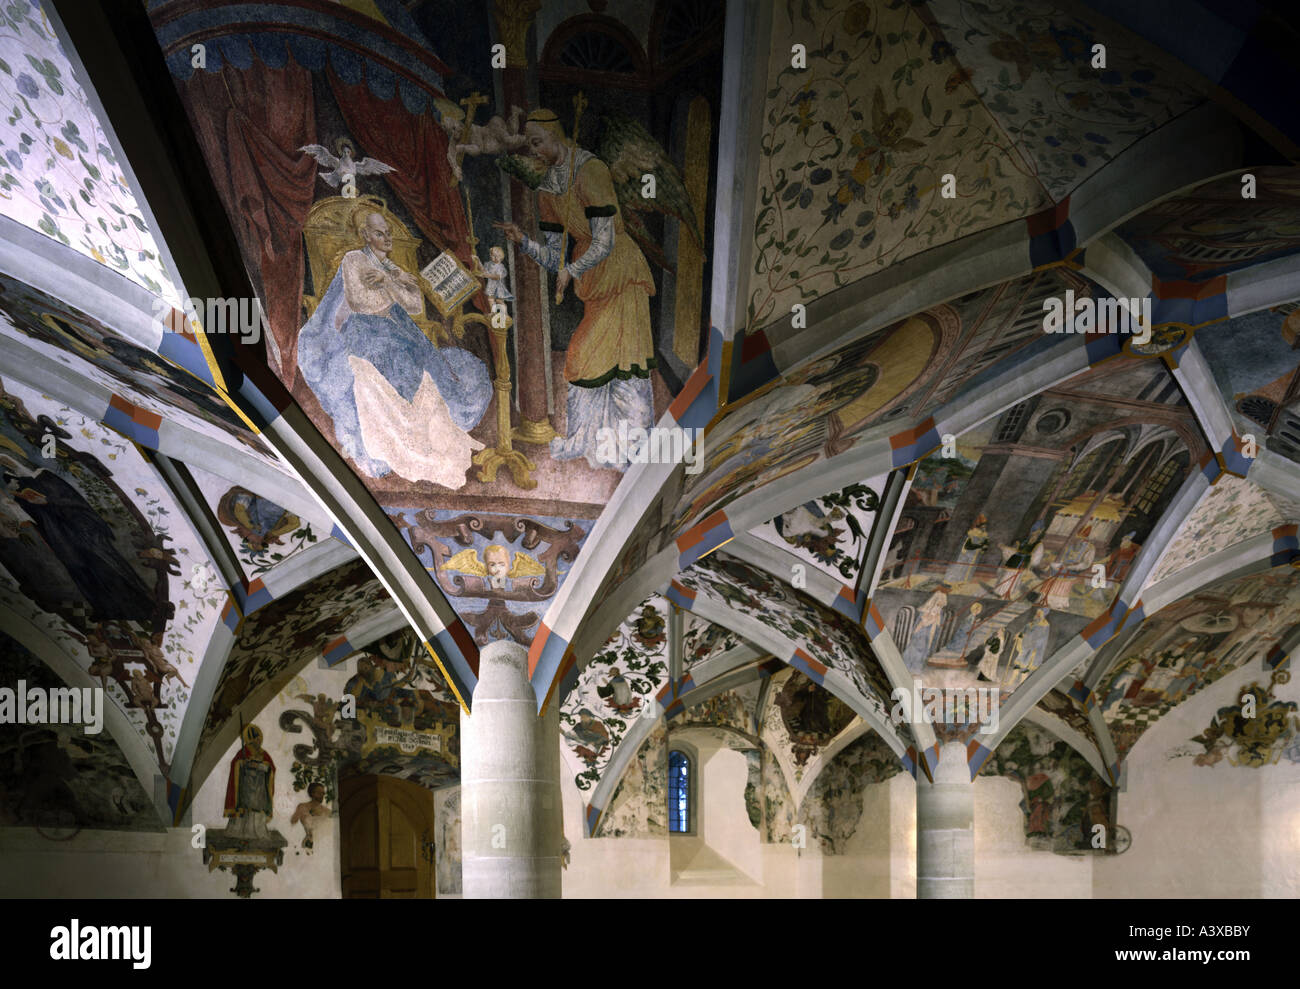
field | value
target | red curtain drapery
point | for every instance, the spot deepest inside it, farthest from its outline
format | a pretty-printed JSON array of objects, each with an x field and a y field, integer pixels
[
  {"x": 416, "y": 147},
  {"x": 253, "y": 121}
]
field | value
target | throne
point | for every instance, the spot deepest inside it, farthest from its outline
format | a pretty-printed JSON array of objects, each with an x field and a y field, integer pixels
[{"x": 329, "y": 235}]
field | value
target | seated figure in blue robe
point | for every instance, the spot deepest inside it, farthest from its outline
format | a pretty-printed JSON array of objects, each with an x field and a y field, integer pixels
[{"x": 399, "y": 403}]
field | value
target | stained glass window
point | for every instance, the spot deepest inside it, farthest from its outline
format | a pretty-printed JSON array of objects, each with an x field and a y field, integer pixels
[{"x": 679, "y": 792}]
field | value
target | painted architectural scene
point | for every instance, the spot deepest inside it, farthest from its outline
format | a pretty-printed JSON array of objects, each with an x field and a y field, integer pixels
[
  {"x": 1030, "y": 527},
  {"x": 1191, "y": 644}
]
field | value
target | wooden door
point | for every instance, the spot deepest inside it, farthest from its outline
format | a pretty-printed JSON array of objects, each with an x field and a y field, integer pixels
[{"x": 384, "y": 823}]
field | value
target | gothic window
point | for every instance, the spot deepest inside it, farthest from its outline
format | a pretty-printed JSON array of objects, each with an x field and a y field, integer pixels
[
  {"x": 1009, "y": 430},
  {"x": 679, "y": 792},
  {"x": 683, "y": 28},
  {"x": 1151, "y": 493},
  {"x": 597, "y": 52}
]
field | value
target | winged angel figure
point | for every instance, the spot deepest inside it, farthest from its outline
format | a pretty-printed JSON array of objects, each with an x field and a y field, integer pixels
[
  {"x": 596, "y": 204},
  {"x": 630, "y": 152},
  {"x": 496, "y": 568}
]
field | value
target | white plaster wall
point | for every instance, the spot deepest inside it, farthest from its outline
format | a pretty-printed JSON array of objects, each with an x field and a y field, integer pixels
[
  {"x": 130, "y": 864},
  {"x": 879, "y": 860},
  {"x": 727, "y": 828},
  {"x": 1206, "y": 831},
  {"x": 1004, "y": 864}
]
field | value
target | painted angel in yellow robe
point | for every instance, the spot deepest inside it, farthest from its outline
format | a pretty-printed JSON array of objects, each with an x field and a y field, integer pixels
[
  {"x": 496, "y": 569},
  {"x": 590, "y": 204}
]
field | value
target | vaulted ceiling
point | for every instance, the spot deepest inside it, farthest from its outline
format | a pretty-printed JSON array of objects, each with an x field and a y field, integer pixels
[{"x": 864, "y": 212}]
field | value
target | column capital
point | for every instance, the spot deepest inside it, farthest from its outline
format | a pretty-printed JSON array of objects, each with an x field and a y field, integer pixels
[{"x": 512, "y": 19}]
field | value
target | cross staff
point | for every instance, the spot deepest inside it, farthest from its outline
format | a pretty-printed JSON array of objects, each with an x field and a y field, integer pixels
[{"x": 471, "y": 103}]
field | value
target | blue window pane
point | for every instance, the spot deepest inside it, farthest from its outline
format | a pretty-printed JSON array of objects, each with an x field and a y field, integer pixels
[{"x": 679, "y": 790}]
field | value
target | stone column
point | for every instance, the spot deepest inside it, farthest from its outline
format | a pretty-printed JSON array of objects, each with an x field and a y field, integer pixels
[
  {"x": 945, "y": 829},
  {"x": 511, "y": 816}
]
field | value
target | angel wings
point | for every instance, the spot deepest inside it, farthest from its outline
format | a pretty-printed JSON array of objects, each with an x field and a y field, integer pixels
[
  {"x": 343, "y": 166},
  {"x": 631, "y": 152},
  {"x": 469, "y": 562}
]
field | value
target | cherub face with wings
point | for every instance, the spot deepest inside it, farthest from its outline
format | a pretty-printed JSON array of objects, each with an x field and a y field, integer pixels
[{"x": 495, "y": 564}]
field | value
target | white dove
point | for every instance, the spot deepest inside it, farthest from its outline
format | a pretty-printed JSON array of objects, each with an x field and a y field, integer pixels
[{"x": 344, "y": 165}]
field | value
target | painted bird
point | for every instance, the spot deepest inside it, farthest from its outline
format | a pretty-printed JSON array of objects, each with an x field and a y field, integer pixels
[{"x": 344, "y": 165}]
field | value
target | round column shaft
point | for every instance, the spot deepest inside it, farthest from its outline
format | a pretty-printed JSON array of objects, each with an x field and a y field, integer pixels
[
  {"x": 510, "y": 784},
  {"x": 945, "y": 829}
]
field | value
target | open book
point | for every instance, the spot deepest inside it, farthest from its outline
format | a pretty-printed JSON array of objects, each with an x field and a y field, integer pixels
[{"x": 449, "y": 282}]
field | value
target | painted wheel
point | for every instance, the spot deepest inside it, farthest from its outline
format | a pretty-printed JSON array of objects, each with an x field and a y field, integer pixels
[
  {"x": 1121, "y": 841},
  {"x": 57, "y": 825}
]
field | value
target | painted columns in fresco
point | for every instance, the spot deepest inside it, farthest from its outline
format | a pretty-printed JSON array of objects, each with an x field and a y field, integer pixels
[
  {"x": 510, "y": 784},
  {"x": 513, "y": 18},
  {"x": 945, "y": 829}
]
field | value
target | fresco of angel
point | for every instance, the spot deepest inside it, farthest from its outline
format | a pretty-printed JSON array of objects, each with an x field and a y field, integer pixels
[
  {"x": 497, "y": 136},
  {"x": 592, "y": 201},
  {"x": 496, "y": 569}
]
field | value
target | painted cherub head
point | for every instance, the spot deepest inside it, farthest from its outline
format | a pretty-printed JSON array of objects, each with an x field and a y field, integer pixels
[{"x": 496, "y": 559}]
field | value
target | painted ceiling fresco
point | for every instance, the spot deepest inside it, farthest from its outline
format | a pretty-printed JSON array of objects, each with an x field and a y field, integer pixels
[
  {"x": 821, "y": 409},
  {"x": 800, "y": 721},
  {"x": 32, "y": 322},
  {"x": 280, "y": 638},
  {"x": 58, "y": 174},
  {"x": 387, "y": 217},
  {"x": 617, "y": 687},
  {"x": 829, "y": 803},
  {"x": 827, "y": 637},
  {"x": 1232, "y": 511},
  {"x": 1032, "y": 65},
  {"x": 992, "y": 562},
  {"x": 499, "y": 571},
  {"x": 702, "y": 640},
  {"x": 1003, "y": 97},
  {"x": 735, "y": 710},
  {"x": 59, "y": 779},
  {"x": 391, "y": 192},
  {"x": 1192, "y": 643},
  {"x": 261, "y": 533},
  {"x": 829, "y": 533},
  {"x": 1070, "y": 711},
  {"x": 1256, "y": 365},
  {"x": 1214, "y": 229},
  {"x": 853, "y": 162},
  {"x": 96, "y": 546}
]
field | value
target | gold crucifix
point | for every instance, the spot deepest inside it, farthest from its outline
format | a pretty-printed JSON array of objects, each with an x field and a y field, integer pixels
[{"x": 471, "y": 103}]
